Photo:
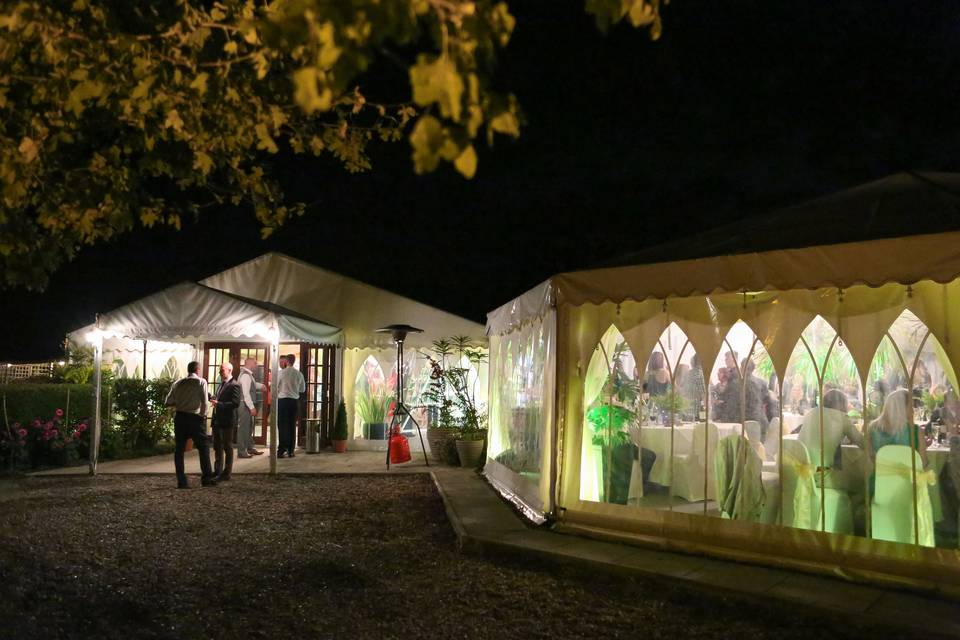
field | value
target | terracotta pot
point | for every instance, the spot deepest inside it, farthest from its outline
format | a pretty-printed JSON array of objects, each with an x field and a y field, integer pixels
[
  {"x": 339, "y": 446},
  {"x": 470, "y": 452},
  {"x": 189, "y": 445}
]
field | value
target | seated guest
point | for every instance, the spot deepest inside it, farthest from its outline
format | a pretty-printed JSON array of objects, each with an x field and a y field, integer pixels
[
  {"x": 894, "y": 426},
  {"x": 658, "y": 376},
  {"x": 836, "y": 427}
]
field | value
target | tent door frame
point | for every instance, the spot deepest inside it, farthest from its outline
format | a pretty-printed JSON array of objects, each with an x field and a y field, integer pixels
[
  {"x": 319, "y": 365},
  {"x": 236, "y": 350}
]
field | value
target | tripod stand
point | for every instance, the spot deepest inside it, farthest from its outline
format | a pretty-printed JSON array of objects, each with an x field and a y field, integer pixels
[{"x": 401, "y": 411}]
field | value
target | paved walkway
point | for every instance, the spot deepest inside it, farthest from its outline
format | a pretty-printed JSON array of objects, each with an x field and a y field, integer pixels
[
  {"x": 324, "y": 462},
  {"x": 486, "y": 524}
]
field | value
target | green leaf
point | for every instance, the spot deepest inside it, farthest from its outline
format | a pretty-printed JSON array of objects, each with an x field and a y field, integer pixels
[
  {"x": 437, "y": 82},
  {"x": 306, "y": 92},
  {"x": 202, "y": 162},
  {"x": 466, "y": 162},
  {"x": 199, "y": 83},
  {"x": 28, "y": 149},
  {"x": 173, "y": 121},
  {"x": 264, "y": 139}
]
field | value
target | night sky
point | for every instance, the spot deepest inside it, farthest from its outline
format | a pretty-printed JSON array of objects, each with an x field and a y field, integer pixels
[{"x": 740, "y": 108}]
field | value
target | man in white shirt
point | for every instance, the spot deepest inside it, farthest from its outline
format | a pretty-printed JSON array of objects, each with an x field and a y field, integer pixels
[
  {"x": 189, "y": 397},
  {"x": 248, "y": 411},
  {"x": 290, "y": 385}
]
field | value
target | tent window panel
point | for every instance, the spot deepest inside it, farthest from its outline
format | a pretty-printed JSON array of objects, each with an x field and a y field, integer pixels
[
  {"x": 740, "y": 398},
  {"x": 518, "y": 418},
  {"x": 673, "y": 429},
  {"x": 893, "y": 441},
  {"x": 613, "y": 406},
  {"x": 372, "y": 397}
]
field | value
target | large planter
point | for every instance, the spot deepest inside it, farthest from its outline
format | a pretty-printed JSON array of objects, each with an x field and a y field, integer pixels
[
  {"x": 440, "y": 441},
  {"x": 470, "y": 452},
  {"x": 339, "y": 446},
  {"x": 375, "y": 431}
]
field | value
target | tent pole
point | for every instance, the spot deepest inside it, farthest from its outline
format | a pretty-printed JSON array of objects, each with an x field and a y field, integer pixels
[
  {"x": 144, "y": 360},
  {"x": 97, "y": 340},
  {"x": 274, "y": 401}
]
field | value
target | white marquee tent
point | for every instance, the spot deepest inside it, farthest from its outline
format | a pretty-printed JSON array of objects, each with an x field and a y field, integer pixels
[
  {"x": 271, "y": 300},
  {"x": 611, "y": 408}
]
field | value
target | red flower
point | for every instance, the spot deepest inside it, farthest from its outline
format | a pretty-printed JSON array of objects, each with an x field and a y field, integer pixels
[
  {"x": 35, "y": 424},
  {"x": 58, "y": 413},
  {"x": 76, "y": 435},
  {"x": 22, "y": 433},
  {"x": 81, "y": 427},
  {"x": 48, "y": 426}
]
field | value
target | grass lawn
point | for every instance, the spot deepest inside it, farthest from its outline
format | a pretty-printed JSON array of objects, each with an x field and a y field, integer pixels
[{"x": 315, "y": 557}]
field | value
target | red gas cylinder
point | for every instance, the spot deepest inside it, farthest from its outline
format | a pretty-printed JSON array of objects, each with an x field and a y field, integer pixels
[{"x": 399, "y": 447}]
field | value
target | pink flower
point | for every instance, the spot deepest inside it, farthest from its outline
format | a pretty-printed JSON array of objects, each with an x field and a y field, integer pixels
[
  {"x": 22, "y": 433},
  {"x": 47, "y": 435},
  {"x": 35, "y": 424},
  {"x": 81, "y": 427},
  {"x": 48, "y": 426},
  {"x": 76, "y": 435},
  {"x": 58, "y": 413}
]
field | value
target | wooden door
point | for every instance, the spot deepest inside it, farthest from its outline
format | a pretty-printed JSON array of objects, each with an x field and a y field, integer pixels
[
  {"x": 319, "y": 372},
  {"x": 215, "y": 354}
]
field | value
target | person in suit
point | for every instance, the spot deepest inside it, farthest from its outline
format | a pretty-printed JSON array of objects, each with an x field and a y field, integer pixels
[
  {"x": 225, "y": 419},
  {"x": 188, "y": 396}
]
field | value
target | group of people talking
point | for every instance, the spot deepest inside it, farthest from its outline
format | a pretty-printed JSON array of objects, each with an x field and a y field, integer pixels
[{"x": 234, "y": 415}]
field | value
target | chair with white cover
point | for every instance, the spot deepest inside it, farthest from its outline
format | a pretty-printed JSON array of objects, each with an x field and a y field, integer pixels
[
  {"x": 891, "y": 510},
  {"x": 742, "y": 490},
  {"x": 771, "y": 444},
  {"x": 802, "y": 496},
  {"x": 691, "y": 472}
]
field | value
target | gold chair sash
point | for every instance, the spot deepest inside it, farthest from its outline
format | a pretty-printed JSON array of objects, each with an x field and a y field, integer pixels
[{"x": 924, "y": 476}]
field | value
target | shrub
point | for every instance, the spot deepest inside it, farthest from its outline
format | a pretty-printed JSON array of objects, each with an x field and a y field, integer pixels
[
  {"x": 26, "y": 402},
  {"x": 340, "y": 424},
  {"x": 140, "y": 417},
  {"x": 46, "y": 440}
]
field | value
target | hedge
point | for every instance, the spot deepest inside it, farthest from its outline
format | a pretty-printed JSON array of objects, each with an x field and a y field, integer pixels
[{"x": 28, "y": 401}]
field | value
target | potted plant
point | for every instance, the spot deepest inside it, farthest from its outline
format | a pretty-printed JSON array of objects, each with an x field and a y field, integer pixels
[
  {"x": 339, "y": 433},
  {"x": 372, "y": 409},
  {"x": 459, "y": 415}
]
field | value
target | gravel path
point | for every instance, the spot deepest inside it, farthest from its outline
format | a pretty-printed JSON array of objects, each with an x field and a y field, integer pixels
[{"x": 314, "y": 557}]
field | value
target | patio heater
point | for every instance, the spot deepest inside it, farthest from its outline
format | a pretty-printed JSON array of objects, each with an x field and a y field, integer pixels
[{"x": 400, "y": 411}]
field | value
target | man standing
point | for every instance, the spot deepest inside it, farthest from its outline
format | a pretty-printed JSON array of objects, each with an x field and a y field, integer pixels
[
  {"x": 225, "y": 409},
  {"x": 189, "y": 397},
  {"x": 290, "y": 385},
  {"x": 248, "y": 411}
]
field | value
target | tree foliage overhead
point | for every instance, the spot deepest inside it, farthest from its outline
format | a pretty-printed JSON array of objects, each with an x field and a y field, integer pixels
[{"x": 116, "y": 113}]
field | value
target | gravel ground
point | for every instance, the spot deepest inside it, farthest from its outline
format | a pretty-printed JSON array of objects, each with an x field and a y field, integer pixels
[{"x": 315, "y": 557}]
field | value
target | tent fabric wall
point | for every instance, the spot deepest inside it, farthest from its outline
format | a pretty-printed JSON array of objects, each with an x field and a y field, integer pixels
[
  {"x": 861, "y": 315},
  {"x": 520, "y": 446},
  {"x": 358, "y": 308}
]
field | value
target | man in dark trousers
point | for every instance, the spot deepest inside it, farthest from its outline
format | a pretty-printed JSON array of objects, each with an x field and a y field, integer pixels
[
  {"x": 189, "y": 397},
  {"x": 290, "y": 385},
  {"x": 225, "y": 419}
]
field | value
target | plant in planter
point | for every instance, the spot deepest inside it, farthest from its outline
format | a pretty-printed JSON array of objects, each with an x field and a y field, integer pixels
[
  {"x": 455, "y": 398},
  {"x": 339, "y": 434},
  {"x": 372, "y": 409},
  {"x": 609, "y": 419}
]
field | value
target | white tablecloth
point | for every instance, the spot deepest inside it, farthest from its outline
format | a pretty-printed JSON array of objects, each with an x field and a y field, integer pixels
[{"x": 656, "y": 438}]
